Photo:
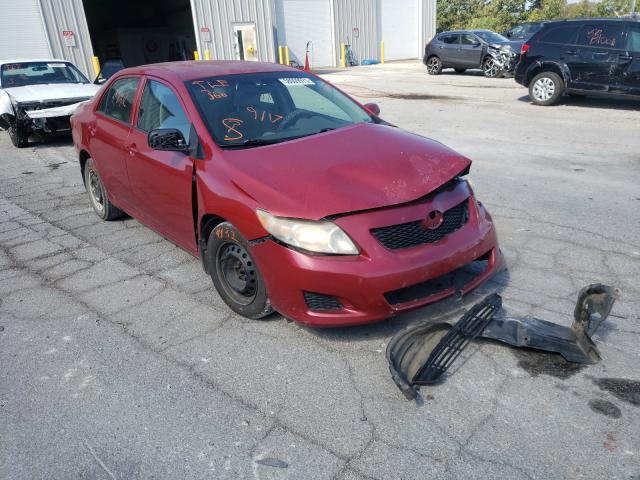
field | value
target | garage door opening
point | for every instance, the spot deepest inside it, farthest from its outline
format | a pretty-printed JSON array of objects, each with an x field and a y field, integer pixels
[{"x": 141, "y": 31}]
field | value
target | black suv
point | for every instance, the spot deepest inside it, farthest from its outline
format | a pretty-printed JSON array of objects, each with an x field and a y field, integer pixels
[{"x": 581, "y": 57}]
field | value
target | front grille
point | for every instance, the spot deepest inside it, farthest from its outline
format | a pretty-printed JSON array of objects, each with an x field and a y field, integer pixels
[
  {"x": 410, "y": 234},
  {"x": 456, "y": 279},
  {"x": 320, "y": 301}
]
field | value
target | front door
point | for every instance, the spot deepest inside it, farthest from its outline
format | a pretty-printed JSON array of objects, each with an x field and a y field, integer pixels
[
  {"x": 599, "y": 48},
  {"x": 244, "y": 36},
  {"x": 161, "y": 181},
  {"x": 470, "y": 50},
  {"x": 108, "y": 134},
  {"x": 629, "y": 80}
]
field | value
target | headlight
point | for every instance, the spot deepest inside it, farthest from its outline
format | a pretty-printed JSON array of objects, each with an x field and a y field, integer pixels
[{"x": 320, "y": 237}]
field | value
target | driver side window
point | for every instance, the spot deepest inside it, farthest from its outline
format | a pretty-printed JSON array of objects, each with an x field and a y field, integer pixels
[{"x": 160, "y": 108}]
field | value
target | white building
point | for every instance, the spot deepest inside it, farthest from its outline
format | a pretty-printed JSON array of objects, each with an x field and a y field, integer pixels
[{"x": 147, "y": 31}]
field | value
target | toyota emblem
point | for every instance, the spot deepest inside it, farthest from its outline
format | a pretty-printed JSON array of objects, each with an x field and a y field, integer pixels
[{"x": 434, "y": 220}]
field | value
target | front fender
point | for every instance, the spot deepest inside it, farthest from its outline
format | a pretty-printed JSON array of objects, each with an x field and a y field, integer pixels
[{"x": 7, "y": 113}]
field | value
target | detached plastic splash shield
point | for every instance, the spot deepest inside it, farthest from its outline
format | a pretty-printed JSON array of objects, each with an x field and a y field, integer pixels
[{"x": 421, "y": 354}]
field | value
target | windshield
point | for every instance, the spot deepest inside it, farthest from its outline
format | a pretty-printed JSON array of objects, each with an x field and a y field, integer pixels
[
  {"x": 261, "y": 108},
  {"x": 491, "y": 37},
  {"x": 39, "y": 73}
]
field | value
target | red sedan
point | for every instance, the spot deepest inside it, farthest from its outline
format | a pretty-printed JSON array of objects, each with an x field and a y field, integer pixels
[{"x": 295, "y": 197}]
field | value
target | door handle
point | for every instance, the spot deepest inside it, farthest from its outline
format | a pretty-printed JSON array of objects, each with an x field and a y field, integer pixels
[
  {"x": 623, "y": 57},
  {"x": 132, "y": 149},
  {"x": 571, "y": 52}
]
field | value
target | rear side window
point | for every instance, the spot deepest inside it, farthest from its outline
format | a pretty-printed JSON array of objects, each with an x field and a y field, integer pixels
[
  {"x": 633, "y": 38},
  {"x": 160, "y": 108},
  {"x": 559, "y": 34},
  {"x": 118, "y": 101},
  {"x": 449, "y": 39},
  {"x": 604, "y": 35}
]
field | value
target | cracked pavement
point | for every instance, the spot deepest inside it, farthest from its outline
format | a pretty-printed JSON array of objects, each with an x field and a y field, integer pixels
[{"x": 118, "y": 359}]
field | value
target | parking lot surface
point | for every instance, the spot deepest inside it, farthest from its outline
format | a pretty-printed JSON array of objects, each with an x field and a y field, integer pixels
[{"x": 118, "y": 360}]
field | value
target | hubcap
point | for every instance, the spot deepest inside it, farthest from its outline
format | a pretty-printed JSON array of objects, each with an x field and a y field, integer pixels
[
  {"x": 95, "y": 190},
  {"x": 237, "y": 273},
  {"x": 543, "y": 89}
]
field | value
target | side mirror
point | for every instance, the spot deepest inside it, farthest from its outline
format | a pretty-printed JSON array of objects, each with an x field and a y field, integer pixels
[
  {"x": 373, "y": 108},
  {"x": 507, "y": 34},
  {"x": 169, "y": 139}
]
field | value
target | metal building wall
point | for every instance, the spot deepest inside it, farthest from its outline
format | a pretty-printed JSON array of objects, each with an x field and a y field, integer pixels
[
  {"x": 428, "y": 16},
  {"x": 61, "y": 15},
  {"x": 220, "y": 15},
  {"x": 360, "y": 14},
  {"x": 23, "y": 33}
]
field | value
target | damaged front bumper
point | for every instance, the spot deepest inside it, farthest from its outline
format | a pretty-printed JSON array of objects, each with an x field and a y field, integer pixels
[
  {"x": 421, "y": 354},
  {"x": 42, "y": 117}
]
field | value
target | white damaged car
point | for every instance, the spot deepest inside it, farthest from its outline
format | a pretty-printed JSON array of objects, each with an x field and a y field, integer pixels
[{"x": 39, "y": 96}]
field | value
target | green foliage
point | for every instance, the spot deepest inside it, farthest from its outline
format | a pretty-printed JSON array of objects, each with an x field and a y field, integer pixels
[{"x": 500, "y": 15}]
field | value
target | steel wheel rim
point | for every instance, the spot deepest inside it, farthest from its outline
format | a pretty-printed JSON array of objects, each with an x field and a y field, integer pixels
[
  {"x": 237, "y": 273},
  {"x": 432, "y": 65},
  {"x": 543, "y": 89},
  {"x": 95, "y": 191},
  {"x": 490, "y": 68}
]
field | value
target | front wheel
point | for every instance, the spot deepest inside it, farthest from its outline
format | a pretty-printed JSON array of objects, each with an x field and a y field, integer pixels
[
  {"x": 434, "y": 65},
  {"x": 546, "y": 88},
  {"x": 491, "y": 67},
  {"x": 235, "y": 273},
  {"x": 19, "y": 137}
]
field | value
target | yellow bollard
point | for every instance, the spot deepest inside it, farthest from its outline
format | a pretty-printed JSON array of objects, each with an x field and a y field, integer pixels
[
  {"x": 286, "y": 55},
  {"x": 96, "y": 65},
  {"x": 382, "y": 52},
  {"x": 196, "y": 55},
  {"x": 281, "y": 55},
  {"x": 343, "y": 55},
  {"x": 207, "y": 55}
]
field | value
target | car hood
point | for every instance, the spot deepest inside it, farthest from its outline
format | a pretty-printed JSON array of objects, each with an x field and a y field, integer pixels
[
  {"x": 360, "y": 167},
  {"x": 513, "y": 44},
  {"x": 52, "y": 91}
]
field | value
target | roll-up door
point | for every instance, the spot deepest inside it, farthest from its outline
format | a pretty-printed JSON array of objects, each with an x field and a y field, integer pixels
[
  {"x": 400, "y": 29},
  {"x": 301, "y": 21}
]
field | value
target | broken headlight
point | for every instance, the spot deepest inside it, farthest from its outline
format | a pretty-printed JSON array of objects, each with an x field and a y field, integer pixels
[{"x": 318, "y": 237}]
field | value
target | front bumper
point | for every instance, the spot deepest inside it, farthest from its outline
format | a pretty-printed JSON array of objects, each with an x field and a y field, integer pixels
[{"x": 380, "y": 283}]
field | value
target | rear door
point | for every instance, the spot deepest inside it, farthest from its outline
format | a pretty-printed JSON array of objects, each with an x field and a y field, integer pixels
[
  {"x": 161, "y": 181},
  {"x": 599, "y": 49},
  {"x": 470, "y": 50},
  {"x": 629, "y": 80},
  {"x": 448, "y": 49},
  {"x": 108, "y": 134}
]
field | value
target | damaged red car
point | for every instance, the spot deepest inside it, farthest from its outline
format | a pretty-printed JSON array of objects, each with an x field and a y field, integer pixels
[{"x": 295, "y": 197}]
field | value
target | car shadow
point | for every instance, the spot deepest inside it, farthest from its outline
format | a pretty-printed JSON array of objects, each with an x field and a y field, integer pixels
[
  {"x": 594, "y": 102},
  {"x": 57, "y": 140},
  {"x": 447, "y": 310}
]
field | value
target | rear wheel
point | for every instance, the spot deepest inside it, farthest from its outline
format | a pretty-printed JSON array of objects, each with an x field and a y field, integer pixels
[
  {"x": 460, "y": 70},
  {"x": 235, "y": 273},
  {"x": 98, "y": 193},
  {"x": 546, "y": 88},
  {"x": 19, "y": 137},
  {"x": 434, "y": 65},
  {"x": 491, "y": 68}
]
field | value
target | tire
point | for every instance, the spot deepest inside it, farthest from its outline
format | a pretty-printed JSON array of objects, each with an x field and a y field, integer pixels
[
  {"x": 460, "y": 70},
  {"x": 19, "y": 138},
  {"x": 490, "y": 68},
  {"x": 98, "y": 196},
  {"x": 434, "y": 65},
  {"x": 546, "y": 88},
  {"x": 235, "y": 273}
]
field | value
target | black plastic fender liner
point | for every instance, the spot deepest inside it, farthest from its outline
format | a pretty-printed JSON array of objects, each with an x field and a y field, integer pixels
[
  {"x": 573, "y": 343},
  {"x": 421, "y": 354}
]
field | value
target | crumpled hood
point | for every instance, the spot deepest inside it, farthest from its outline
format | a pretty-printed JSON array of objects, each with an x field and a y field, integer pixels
[
  {"x": 360, "y": 167},
  {"x": 52, "y": 91}
]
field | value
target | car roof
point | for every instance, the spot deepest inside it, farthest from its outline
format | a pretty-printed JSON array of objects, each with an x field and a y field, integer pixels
[
  {"x": 591, "y": 20},
  {"x": 25, "y": 60},
  {"x": 191, "y": 70}
]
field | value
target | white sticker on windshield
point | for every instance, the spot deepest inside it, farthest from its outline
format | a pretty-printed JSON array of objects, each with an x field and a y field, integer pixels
[
  {"x": 292, "y": 82},
  {"x": 56, "y": 65}
]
